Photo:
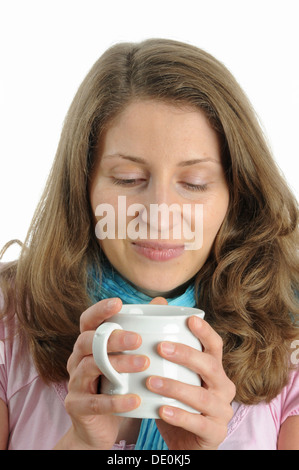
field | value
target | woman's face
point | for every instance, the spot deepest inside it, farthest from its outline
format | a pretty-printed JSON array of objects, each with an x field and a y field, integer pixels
[{"x": 155, "y": 153}]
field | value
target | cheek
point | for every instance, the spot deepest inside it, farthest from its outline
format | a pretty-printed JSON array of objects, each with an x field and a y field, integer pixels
[
  {"x": 114, "y": 250},
  {"x": 100, "y": 195},
  {"x": 214, "y": 215}
]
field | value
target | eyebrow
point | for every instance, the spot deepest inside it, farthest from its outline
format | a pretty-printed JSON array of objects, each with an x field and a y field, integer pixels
[{"x": 144, "y": 162}]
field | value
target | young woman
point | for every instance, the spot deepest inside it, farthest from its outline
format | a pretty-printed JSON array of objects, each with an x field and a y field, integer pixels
[{"x": 156, "y": 122}]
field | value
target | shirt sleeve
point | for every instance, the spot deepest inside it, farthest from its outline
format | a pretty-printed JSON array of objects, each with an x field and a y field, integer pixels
[
  {"x": 3, "y": 374},
  {"x": 291, "y": 396}
]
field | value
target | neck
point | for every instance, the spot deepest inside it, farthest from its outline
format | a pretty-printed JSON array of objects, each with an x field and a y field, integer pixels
[
  {"x": 168, "y": 294},
  {"x": 109, "y": 283}
]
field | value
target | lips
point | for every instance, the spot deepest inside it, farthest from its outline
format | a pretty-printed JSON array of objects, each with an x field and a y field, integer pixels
[{"x": 158, "y": 251}]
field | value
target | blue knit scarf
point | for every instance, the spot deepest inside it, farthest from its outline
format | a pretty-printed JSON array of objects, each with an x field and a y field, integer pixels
[{"x": 111, "y": 284}]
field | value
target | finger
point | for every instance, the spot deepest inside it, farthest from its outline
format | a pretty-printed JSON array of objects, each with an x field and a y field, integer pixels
[
  {"x": 211, "y": 342},
  {"x": 82, "y": 348},
  {"x": 159, "y": 301},
  {"x": 129, "y": 363},
  {"x": 119, "y": 340},
  {"x": 97, "y": 313},
  {"x": 93, "y": 404},
  {"x": 198, "y": 398},
  {"x": 85, "y": 377},
  {"x": 206, "y": 431},
  {"x": 207, "y": 366}
]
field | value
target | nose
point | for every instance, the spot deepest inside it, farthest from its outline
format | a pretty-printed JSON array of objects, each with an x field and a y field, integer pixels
[{"x": 161, "y": 212}]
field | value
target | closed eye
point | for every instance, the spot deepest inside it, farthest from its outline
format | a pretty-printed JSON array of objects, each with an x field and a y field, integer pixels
[
  {"x": 195, "y": 187},
  {"x": 127, "y": 182}
]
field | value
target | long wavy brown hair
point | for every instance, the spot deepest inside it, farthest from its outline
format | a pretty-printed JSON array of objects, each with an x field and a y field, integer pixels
[{"x": 247, "y": 286}]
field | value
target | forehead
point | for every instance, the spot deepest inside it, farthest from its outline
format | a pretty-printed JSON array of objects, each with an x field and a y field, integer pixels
[{"x": 152, "y": 129}]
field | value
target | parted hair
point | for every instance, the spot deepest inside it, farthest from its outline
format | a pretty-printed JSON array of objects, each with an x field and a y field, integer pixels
[{"x": 247, "y": 286}]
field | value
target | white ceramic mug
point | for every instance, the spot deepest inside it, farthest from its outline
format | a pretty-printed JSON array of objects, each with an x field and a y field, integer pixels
[{"x": 154, "y": 323}]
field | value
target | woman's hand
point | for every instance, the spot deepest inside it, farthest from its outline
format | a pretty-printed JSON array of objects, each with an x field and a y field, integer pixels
[
  {"x": 213, "y": 399},
  {"x": 93, "y": 425}
]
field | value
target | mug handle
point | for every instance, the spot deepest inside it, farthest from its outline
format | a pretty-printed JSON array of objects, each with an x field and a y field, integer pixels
[{"x": 99, "y": 350}]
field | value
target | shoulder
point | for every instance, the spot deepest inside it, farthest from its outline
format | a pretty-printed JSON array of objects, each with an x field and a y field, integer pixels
[
  {"x": 258, "y": 427},
  {"x": 14, "y": 351},
  {"x": 286, "y": 404},
  {"x": 289, "y": 431},
  {"x": 289, "y": 434}
]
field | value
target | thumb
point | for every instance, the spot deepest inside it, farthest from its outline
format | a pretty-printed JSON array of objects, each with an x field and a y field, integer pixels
[{"x": 159, "y": 301}]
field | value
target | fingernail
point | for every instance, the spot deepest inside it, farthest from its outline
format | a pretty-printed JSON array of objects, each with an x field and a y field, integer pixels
[
  {"x": 131, "y": 402},
  {"x": 130, "y": 340},
  {"x": 139, "y": 361},
  {"x": 168, "y": 348},
  {"x": 197, "y": 321},
  {"x": 156, "y": 382},
  {"x": 112, "y": 302},
  {"x": 168, "y": 412}
]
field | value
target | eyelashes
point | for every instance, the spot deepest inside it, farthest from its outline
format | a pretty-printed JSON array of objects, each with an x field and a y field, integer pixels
[
  {"x": 133, "y": 182},
  {"x": 195, "y": 187},
  {"x": 127, "y": 182}
]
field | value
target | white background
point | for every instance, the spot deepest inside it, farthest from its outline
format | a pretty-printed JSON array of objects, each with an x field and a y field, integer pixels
[{"x": 48, "y": 46}]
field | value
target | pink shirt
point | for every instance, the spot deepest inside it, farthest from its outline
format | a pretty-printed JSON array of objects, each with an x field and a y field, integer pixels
[{"x": 37, "y": 417}]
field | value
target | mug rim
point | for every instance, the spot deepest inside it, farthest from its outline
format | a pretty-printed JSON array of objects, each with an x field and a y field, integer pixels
[{"x": 177, "y": 310}]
